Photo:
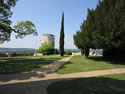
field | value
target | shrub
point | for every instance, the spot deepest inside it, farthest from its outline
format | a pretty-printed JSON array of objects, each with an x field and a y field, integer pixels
[
  {"x": 56, "y": 51},
  {"x": 68, "y": 52},
  {"x": 46, "y": 49},
  {"x": 48, "y": 52}
]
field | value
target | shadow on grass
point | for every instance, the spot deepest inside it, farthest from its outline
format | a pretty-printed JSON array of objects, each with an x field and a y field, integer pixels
[
  {"x": 20, "y": 64},
  {"x": 24, "y": 65},
  {"x": 101, "y": 58},
  {"x": 21, "y": 69},
  {"x": 96, "y": 58},
  {"x": 100, "y": 85}
]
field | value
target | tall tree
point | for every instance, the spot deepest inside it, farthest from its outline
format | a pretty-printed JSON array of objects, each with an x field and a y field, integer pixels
[
  {"x": 61, "y": 42},
  {"x": 104, "y": 28},
  {"x": 5, "y": 14}
]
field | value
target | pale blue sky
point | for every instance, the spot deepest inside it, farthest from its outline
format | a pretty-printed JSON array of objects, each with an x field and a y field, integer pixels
[{"x": 46, "y": 15}]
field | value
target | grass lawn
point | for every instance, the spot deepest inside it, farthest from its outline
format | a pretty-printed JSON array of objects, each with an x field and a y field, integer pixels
[
  {"x": 110, "y": 84},
  {"x": 25, "y": 63},
  {"x": 82, "y": 64}
]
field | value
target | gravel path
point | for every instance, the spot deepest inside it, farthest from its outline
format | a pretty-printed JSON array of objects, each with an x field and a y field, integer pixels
[
  {"x": 36, "y": 74},
  {"x": 36, "y": 81}
]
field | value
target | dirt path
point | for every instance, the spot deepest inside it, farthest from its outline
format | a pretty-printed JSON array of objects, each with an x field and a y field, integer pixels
[{"x": 36, "y": 82}]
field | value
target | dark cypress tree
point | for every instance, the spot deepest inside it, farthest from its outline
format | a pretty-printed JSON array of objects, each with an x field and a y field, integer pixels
[{"x": 61, "y": 43}]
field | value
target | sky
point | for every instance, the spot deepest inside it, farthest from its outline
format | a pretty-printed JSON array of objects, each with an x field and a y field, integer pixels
[{"x": 46, "y": 15}]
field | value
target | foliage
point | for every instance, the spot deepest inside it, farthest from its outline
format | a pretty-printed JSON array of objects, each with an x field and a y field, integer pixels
[
  {"x": 56, "y": 51},
  {"x": 26, "y": 28},
  {"x": 46, "y": 49},
  {"x": 5, "y": 14},
  {"x": 81, "y": 39},
  {"x": 61, "y": 43},
  {"x": 114, "y": 55},
  {"x": 104, "y": 27},
  {"x": 69, "y": 52}
]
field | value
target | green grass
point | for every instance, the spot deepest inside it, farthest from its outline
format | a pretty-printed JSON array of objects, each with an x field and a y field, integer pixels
[
  {"x": 82, "y": 64},
  {"x": 110, "y": 84},
  {"x": 25, "y": 63}
]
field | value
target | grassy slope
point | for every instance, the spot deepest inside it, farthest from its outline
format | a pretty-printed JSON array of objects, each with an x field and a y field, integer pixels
[
  {"x": 110, "y": 84},
  {"x": 81, "y": 64},
  {"x": 25, "y": 63}
]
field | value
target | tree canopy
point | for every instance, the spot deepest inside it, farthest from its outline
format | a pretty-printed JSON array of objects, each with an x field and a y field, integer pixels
[
  {"x": 104, "y": 27},
  {"x": 25, "y": 28},
  {"x": 5, "y": 14},
  {"x": 22, "y": 28}
]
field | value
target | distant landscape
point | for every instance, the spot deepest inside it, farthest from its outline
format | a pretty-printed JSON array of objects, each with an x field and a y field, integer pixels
[
  {"x": 26, "y": 50},
  {"x": 31, "y": 50},
  {"x": 17, "y": 50}
]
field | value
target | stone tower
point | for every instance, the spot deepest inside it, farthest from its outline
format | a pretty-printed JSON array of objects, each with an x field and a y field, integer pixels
[{"x": 48, "y": 38}]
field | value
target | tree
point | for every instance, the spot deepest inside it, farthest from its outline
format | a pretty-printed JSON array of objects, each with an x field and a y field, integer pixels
[
  {"x": 104, "y": 28},
  {"x": 61, "y": 43},
  {"x": 25, "y": 28},
  {"x": 5, "y": 22},
  {"x": 5, "y": 14},
  {"x": 81, "y": 39}
]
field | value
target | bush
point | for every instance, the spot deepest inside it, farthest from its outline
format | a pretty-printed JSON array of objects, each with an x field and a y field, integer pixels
[
  {"x": 56, "y": 51},
  {"x": 46, "y": 49},
  {"x": 48, "y": 52},
  {"x": 68, "y": 52}
]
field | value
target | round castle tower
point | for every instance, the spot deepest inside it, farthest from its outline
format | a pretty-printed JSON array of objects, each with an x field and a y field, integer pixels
[{"x": 48, "y": 38}]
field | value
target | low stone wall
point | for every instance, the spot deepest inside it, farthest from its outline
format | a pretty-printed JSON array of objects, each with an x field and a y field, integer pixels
[
  {"x": 38, "y": 54},
  {"x": 73, "y": 54},
  {"x": 14, "y": 55}
]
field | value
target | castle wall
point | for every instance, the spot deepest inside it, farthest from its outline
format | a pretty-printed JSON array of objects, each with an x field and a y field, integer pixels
[{"x": 48, "y": 38}]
